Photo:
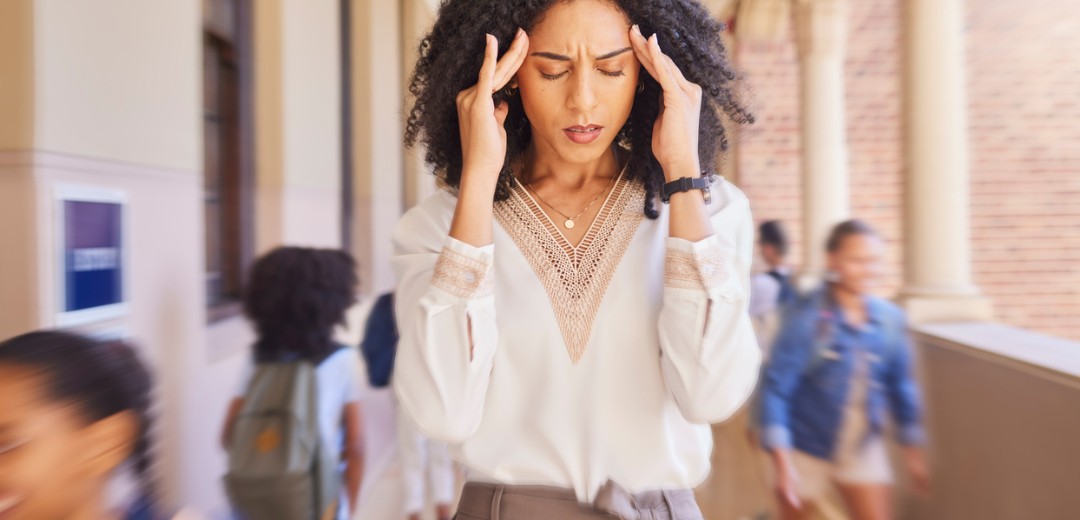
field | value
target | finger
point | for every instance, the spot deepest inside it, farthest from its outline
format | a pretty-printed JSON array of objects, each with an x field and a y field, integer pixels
[
  {"x": 677, "y": 73},
  {"x": 641, "y": 50},
  {"x": 665, "y": 78},
  {"x": 487, "y": 71},
  {"x": 510, "y": 62}
]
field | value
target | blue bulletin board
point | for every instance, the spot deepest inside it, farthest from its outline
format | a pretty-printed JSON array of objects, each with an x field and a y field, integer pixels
[{"x": 92, "y": 255}]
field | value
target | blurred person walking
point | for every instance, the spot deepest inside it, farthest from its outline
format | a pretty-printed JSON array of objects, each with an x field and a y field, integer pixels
[
  {"x": 772, "y": 289},
  {"x": 423, "y": 460},
  {"x": 841, "y": 362},
  {"x": 293, "y": 431},
  {"x": 74, "y": 415}
]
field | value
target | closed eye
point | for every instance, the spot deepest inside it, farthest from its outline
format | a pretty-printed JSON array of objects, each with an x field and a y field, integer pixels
[
  {"x": 609, "y": 73},
  {"x": 554, "y": 77}
]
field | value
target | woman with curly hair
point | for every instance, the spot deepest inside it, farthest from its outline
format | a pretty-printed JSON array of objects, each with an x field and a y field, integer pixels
[{"x": 568, "y": 334}]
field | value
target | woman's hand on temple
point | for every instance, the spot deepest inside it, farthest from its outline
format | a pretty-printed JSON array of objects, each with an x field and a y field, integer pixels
[
  {"x": 483, "y": 138},
  {"x": 675, "y": 133}
]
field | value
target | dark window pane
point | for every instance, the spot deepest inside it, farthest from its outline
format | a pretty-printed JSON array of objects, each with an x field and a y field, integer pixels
[{"x": 212, "y": 162}]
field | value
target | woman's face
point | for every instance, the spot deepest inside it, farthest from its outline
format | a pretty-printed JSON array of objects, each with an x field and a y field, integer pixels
[
  {"x": 857, "y": 262},
  {"x": 51, "y": 462},
  {"x": 578, "y": 83}
]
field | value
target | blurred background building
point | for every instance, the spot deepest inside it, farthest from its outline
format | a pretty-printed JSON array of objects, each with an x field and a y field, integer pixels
[{"x": 228, "y": 127}]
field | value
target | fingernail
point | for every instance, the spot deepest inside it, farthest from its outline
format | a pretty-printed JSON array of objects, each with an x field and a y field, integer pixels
[
  {"x": 520, "y": 33},
  {"x": 637, "y": 29}
]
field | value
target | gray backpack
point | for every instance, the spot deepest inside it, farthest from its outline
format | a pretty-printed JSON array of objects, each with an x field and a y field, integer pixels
[{"x": 279, "y": 469}]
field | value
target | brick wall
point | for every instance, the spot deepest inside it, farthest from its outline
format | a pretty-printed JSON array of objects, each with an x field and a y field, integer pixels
[{"x": 1024, "y": 97}]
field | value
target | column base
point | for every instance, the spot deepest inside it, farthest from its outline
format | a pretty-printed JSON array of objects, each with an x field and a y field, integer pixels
[{"x": 946, "y": 308}]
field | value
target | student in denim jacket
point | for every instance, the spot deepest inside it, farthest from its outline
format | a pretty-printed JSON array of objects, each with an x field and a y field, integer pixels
[{"x": 840, "y": 364}]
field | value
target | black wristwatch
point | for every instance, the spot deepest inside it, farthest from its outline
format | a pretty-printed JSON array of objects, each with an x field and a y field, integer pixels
[{"x": 686, "y": 184}]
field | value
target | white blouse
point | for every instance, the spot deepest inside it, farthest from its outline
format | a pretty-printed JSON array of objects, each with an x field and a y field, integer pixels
[{"x": 546, "y": 364}]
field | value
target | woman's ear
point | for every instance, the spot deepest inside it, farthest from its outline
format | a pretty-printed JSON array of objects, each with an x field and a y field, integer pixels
[{"x": 109, "y": 442}]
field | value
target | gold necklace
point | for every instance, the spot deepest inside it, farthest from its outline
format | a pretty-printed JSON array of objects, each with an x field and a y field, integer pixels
[{"x": 569, "y": 223}]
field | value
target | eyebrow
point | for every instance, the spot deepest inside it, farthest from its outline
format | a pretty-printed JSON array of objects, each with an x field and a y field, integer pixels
[{"x": 560, "y": 57}]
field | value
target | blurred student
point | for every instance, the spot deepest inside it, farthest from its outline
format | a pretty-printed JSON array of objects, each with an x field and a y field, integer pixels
[
  {"x": 422, "y": 459},
  {"x": 842, "y": 361},
  {"x": 73, "y": 415},
  {"x": 302, "y": 392},
  {"x": 773, "y": 288}
]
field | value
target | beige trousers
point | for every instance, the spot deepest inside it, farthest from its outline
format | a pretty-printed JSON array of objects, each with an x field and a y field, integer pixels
[{"x": 498, "y": 502}]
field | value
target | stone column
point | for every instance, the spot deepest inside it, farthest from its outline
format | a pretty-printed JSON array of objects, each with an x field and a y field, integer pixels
[
  {"x": 937, "y": 243},
  {"x": 377, "y": 156},
  {"x": 821, "y": 28}
]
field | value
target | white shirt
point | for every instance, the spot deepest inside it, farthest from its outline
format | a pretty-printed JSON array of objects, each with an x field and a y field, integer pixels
[
  {"x": 764, "y": 295},
  {"x": 605, "y": 362}
]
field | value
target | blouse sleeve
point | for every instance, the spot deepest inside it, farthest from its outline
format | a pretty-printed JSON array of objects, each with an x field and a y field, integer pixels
[
  {"x": 445, "y": 308},
  {"x": 710, "y": 357}
]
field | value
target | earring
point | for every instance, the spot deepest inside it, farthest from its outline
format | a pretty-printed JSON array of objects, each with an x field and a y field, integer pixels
[
  {"x": 641, "y": 87},
  {"x": 509, "y": 92}
]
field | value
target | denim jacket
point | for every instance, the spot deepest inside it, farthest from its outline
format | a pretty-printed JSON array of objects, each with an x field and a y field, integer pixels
[{"x": 806, "y": 382}]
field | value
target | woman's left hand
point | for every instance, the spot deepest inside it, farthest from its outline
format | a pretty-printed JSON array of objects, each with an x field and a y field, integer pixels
[{"x": 675, "y": 133}]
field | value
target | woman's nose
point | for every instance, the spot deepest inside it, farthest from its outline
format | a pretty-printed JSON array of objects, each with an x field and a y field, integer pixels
[{"x": 582, "y": 96}]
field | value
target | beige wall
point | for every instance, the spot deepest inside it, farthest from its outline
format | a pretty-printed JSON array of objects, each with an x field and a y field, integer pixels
[
  {"x": 19, "y": 299},
  {"x": 311, "y": 78},
  {"x": 377, "y": 116},
  {"x": 18, "y": 273},
  {"x": 119, "y": 79},
  {"x": 269, "y": 122},
  {"x": 17, "y": 71}
]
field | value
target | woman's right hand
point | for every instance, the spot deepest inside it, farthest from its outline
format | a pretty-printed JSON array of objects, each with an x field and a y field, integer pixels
[{"x": 483, "y": 138}]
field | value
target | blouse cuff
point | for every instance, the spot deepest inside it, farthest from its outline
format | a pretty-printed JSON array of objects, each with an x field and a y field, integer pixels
[
  {"x": 702, "y": 266},
  {"x": 464, "y": 270}
]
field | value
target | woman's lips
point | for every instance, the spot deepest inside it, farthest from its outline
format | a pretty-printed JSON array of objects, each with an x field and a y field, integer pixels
[{"x": 583, "y": 134}]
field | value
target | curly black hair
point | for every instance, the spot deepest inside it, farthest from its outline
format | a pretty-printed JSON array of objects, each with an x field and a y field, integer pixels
[
  {"x": 451, "y": 54},
  {"x": 295, "y": 296}
]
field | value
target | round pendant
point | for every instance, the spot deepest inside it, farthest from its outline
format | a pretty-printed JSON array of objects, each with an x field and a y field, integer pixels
[{"x": 569, "y": 224}]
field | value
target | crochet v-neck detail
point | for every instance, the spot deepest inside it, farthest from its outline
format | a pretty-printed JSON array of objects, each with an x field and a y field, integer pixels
[{"x": 575, "y": 277}]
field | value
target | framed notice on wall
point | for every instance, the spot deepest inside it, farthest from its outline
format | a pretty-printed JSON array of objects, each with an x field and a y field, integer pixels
[{"x": 92, "y": 255}]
